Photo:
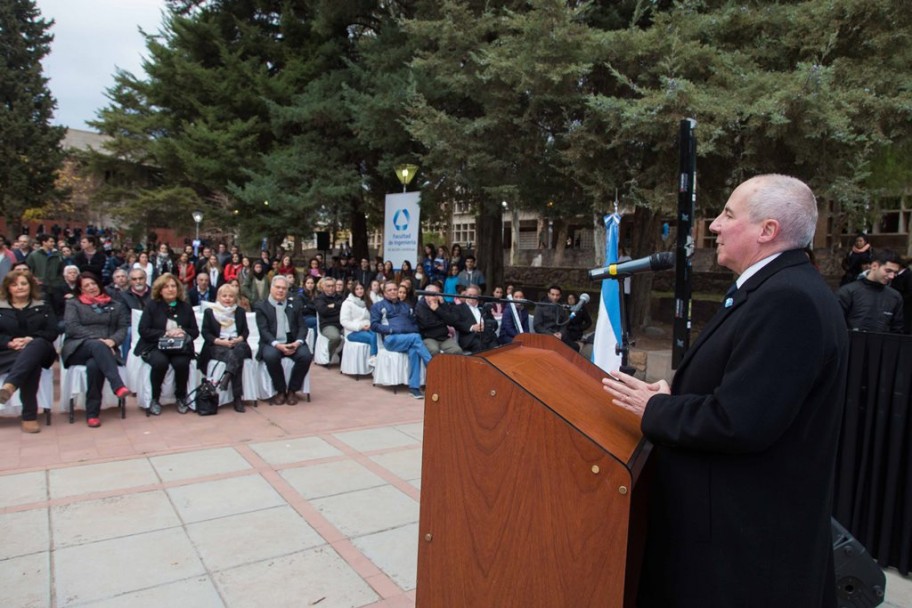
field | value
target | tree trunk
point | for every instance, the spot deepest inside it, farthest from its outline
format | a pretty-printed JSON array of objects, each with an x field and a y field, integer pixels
[
  {"x": 358, "y": 226},
  {"x": 643, "y": 242},
  {"x": 560, "y": 242},
  {"x": 489, "y": 244}
]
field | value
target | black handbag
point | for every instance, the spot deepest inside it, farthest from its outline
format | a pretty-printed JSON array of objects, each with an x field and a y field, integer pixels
[
  {"x": 172, "y": 344},
  {"x": 207, "y": 399}
]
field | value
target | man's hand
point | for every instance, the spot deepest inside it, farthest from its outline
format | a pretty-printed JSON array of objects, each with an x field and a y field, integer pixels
[
  {"x": 632, "y": 394},
  {"x": 432, "y": 302}
]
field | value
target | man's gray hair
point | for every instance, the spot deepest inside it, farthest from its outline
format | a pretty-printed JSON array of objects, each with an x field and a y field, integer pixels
[
  {"x": 140, "y": 270},
  {"x": 789, "y": 201},
  {"x": 279, "y": 277},
  {"x": 119, "y": 271},
  {"x": 73, "y": 266}
]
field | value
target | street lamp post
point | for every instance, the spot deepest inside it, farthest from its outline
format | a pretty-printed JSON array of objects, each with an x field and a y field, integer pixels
[{"x": 197, "y": 217}]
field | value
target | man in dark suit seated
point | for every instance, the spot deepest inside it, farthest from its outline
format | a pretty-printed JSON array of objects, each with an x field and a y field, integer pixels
[
  {"x": 552, "y": 319},
  {"x": 744, "y": 441},
  {"x": 433, "y": 316},
  {"x": 282, "y": 334},
  {"x": 203, "y": 291},
  {"x": 476, "y": 326}
]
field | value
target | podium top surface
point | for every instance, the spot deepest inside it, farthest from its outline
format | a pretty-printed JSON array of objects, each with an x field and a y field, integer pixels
[{"x": 571, "y": 387}]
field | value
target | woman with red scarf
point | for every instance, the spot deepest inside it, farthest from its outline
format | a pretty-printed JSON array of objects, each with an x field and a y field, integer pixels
[{"x": 95, "y": 326}]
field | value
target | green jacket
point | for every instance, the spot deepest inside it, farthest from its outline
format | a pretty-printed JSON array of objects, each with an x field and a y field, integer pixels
[{"x": 47, "y": 267}]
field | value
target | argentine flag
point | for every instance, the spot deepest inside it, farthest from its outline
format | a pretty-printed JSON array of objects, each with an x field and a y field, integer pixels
[{"x": 608, "y": 325}]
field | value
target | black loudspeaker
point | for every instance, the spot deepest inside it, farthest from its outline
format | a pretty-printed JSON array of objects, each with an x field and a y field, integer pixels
[
  {"x": 860, "y": 582},
  {"x": 323, "y": 241}
]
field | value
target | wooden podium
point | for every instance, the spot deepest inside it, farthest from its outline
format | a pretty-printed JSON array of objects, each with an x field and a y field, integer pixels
[{"x": 530, "y": 485}]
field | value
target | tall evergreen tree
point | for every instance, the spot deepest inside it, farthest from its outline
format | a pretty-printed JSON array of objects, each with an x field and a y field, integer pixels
[{"x": 30, "y": 152}]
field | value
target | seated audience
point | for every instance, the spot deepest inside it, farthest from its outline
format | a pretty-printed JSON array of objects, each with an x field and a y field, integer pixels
[
  {"x": 395, "y": 321},
  {"x": 167, "y": 315},
  {"x": 282, "y": 334},
  {"x": 329, "y": 306},
  {"x": 95, "y": 325},
  {"x": 225, "y": 334},
  {"x": 434, "y": 315},
  {"x": 28, "y": 328},
  {"x": 515, "y": 320},
  {"x": 355, "y": 320}
]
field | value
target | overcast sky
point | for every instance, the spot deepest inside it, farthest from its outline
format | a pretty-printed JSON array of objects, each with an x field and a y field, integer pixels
[{"x": 92, "y": 38}]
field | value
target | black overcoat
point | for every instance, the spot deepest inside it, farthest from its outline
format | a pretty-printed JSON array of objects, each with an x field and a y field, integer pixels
[
  {"x": 744, "y": 451},
  {"x": 154, "y": 319}
]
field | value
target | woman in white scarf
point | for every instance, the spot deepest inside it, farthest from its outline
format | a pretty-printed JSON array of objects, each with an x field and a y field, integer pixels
[
  {"x": 355, "y": 319},
  {"x": 225, "y": 334}
]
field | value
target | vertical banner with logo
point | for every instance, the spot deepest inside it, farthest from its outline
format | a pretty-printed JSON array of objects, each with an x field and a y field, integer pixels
[{"x": 401, "y": 228}]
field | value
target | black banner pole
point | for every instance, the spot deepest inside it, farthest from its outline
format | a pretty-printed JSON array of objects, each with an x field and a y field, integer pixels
[{"x": 685, "y": 243}]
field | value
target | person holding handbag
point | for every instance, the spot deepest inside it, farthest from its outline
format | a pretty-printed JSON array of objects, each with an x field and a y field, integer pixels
[
  {"x": 225, "y": 334},
  {"x": 167, "y": 329}
]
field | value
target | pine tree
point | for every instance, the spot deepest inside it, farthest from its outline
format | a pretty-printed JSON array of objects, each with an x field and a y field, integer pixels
[{"x": 30, "y": 152}]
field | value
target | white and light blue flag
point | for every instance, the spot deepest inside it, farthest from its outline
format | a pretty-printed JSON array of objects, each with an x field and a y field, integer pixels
[{"x": 608, "y": 325}]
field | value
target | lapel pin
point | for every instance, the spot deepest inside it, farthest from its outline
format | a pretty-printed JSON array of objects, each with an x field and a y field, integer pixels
[{"x": 729, "y": 302}]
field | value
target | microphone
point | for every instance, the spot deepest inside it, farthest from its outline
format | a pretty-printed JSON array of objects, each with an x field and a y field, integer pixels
[
  {"x": 653, "y": 263},
  {"x": 584, "y": 299}
]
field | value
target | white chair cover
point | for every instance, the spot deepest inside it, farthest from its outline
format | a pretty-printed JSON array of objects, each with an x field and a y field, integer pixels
[
  {"x": 354, "y": 359},
  {"x": 391, "y": 368},
  {"x": 74, "y": 383},
  {"x": 321, "y": 350},
  {"x": 138, "y": 370},
  {"x": 13, "y": 407},
  {"x": 266, "y": 388}
]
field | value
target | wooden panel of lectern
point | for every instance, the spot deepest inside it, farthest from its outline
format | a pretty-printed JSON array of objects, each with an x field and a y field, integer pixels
[{"x": 532, "y": 483}]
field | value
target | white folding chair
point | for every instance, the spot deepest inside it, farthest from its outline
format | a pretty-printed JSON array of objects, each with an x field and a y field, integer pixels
[
  {"x": 13, "y": 407},
  {"x": 321, "y": 350},
  {"x": 354, "y": 359},
  {"x": 73, "y": 385},
  {"x": 391, "y": 368},
  {"x": 138, "y": 373},
  {"x": 266, "y": 387}
]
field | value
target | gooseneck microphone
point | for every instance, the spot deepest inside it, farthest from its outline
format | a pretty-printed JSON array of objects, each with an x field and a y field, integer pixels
[
  {"x": 584, "y": 299},
  {"x": 653, "y": 263}
]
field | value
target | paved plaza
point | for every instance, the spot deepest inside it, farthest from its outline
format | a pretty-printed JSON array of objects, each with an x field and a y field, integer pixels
[{"x": 312, "y": 505}]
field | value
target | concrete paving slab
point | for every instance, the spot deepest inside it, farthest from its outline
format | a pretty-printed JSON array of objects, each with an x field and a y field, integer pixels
[
  {"x": 23, "y": 488},
  {"x": 25, "y": 582},
  {"x": 405, "y": 464},
  {"x": 87, "y": 478},
  {"x": 328, "y": 479},
  {"x": 376, "y": 439},
  {"x": 416, "y": 430},
  {"x": 211, "y": 499},
  {"x": 316, "y": 577},
  {"x": 899, "y": 590},
  {"x": 232, "y": 541},
  {"x": 294, "y": 450},
  {"x": 395, "y": 552},
  {"x": 93, "y": 520},
  {"x": 196, "y": 592},
  {"x": 198, "y": 463},
  {"x": 109, "y": 568},
  {"x": 368, "y": 511},
  {"x": 23, "y": 533}
]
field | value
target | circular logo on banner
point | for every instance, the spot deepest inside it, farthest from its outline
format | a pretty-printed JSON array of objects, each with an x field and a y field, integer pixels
[{"x": 401, "y": 219}]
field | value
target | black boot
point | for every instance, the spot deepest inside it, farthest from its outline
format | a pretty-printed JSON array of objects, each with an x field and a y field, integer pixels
[
  {"x": 238, "y": 399},
  {"x": 225, "y": 381}
]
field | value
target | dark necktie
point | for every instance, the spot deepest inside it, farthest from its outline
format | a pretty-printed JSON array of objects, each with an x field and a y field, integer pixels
[{"x": 730, "y": 295}]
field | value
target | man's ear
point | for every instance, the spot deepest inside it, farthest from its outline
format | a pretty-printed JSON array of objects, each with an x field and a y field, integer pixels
[{"x": 769, "y": 230}]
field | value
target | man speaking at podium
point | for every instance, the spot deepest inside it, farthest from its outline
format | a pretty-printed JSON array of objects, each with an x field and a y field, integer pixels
[{"x": 745, "y": 438}]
